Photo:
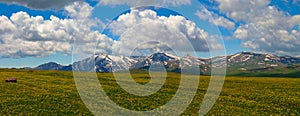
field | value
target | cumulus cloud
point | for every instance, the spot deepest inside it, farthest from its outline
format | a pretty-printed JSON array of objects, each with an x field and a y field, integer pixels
[
  {"x": 23, "y": 35},
  {"x": 79, "y": 10},
  {"x": 135, "y": 3},
  {"x": 242, "y": 10},
  {"x": 27, "y": 36},
  {"x": 294, "y": 20},
  {"x": 176, "y": 32},
  {"x": 264, "y": 27},
  {"x": 215, "y": 19},
  {"x": 41, "y": 4}
]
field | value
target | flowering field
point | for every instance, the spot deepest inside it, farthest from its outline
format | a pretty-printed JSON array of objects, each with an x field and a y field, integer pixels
[{"x": 55, "y": 93}]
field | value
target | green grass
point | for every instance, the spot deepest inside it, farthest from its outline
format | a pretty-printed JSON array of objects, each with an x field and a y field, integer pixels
[
  {"x": 39, "y": 92},
  {"x": 55, "y": 93}
]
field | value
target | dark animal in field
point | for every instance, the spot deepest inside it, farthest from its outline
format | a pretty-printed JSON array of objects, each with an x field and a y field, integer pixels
[{"x": 11, "y": 80}]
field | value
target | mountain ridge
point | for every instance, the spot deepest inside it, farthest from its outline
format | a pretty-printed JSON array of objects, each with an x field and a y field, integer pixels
[{"x": 241, "y": 61}]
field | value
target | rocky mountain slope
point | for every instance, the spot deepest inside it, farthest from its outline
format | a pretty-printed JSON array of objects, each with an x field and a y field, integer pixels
[{"x": 243, "y": 61}]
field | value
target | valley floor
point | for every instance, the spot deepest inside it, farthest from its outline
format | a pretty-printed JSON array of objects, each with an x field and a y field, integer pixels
[{"x": 55, "y": 93}]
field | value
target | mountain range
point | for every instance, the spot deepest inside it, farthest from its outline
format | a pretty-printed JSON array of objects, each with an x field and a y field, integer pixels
[{"x": 237, "y": 64}]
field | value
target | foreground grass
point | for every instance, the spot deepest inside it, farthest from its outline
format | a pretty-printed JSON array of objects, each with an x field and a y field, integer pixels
[
  {"x": 55, "y": 93},
  {"x": 40, "y": 92}
]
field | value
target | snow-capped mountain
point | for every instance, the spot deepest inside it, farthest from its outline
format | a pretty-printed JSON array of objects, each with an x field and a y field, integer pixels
[
  {"x": 105, "y": 63},
  {"x": 190, "y": 60},
  {"x": 249, "y": 60},
  {"x": 248, "y": 56},
  {"x": 239, "y": 61},
  {"x": 168, "y": 60},
  {"x": 109, "y": 63}
]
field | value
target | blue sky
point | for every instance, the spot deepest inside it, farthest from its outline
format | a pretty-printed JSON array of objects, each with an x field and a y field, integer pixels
[{"x": 258, "y": 26}]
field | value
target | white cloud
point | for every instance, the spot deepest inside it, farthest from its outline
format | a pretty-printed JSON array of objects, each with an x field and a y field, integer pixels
[
  {"x": 27, "y": 36},
  {"x": 136, "y": 3},
  {"x": 6, "y": 25},
  {"x": 264, "y": 27},
  {"x": 79, "y": 10},
  {"x": 41, "y": 4},
  {"x": 215, "y": 19},
  {"x": 33, "y": 36},
  {"x": 294, "y": 20},
  {"x": 242, "y": 10},
  {"x": 176, "y": 32}
]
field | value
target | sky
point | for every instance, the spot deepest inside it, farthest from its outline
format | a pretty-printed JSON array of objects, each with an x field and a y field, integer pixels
[{"x": 33, "y": 32}]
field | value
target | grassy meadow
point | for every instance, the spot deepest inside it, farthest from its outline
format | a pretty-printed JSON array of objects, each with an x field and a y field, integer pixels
[{"x": 55, "y": 93}]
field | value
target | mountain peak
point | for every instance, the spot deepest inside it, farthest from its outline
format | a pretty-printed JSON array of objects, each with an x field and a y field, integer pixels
[
  {"x": 247, "y": 53},
  {"x": 49, "y": 66},
  {"x": 51, "y": 63},
  {"x": 164, "y": 54}
]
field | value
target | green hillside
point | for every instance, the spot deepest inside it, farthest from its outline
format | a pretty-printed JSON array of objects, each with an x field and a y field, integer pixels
[{"x": 280, "y": 71}]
